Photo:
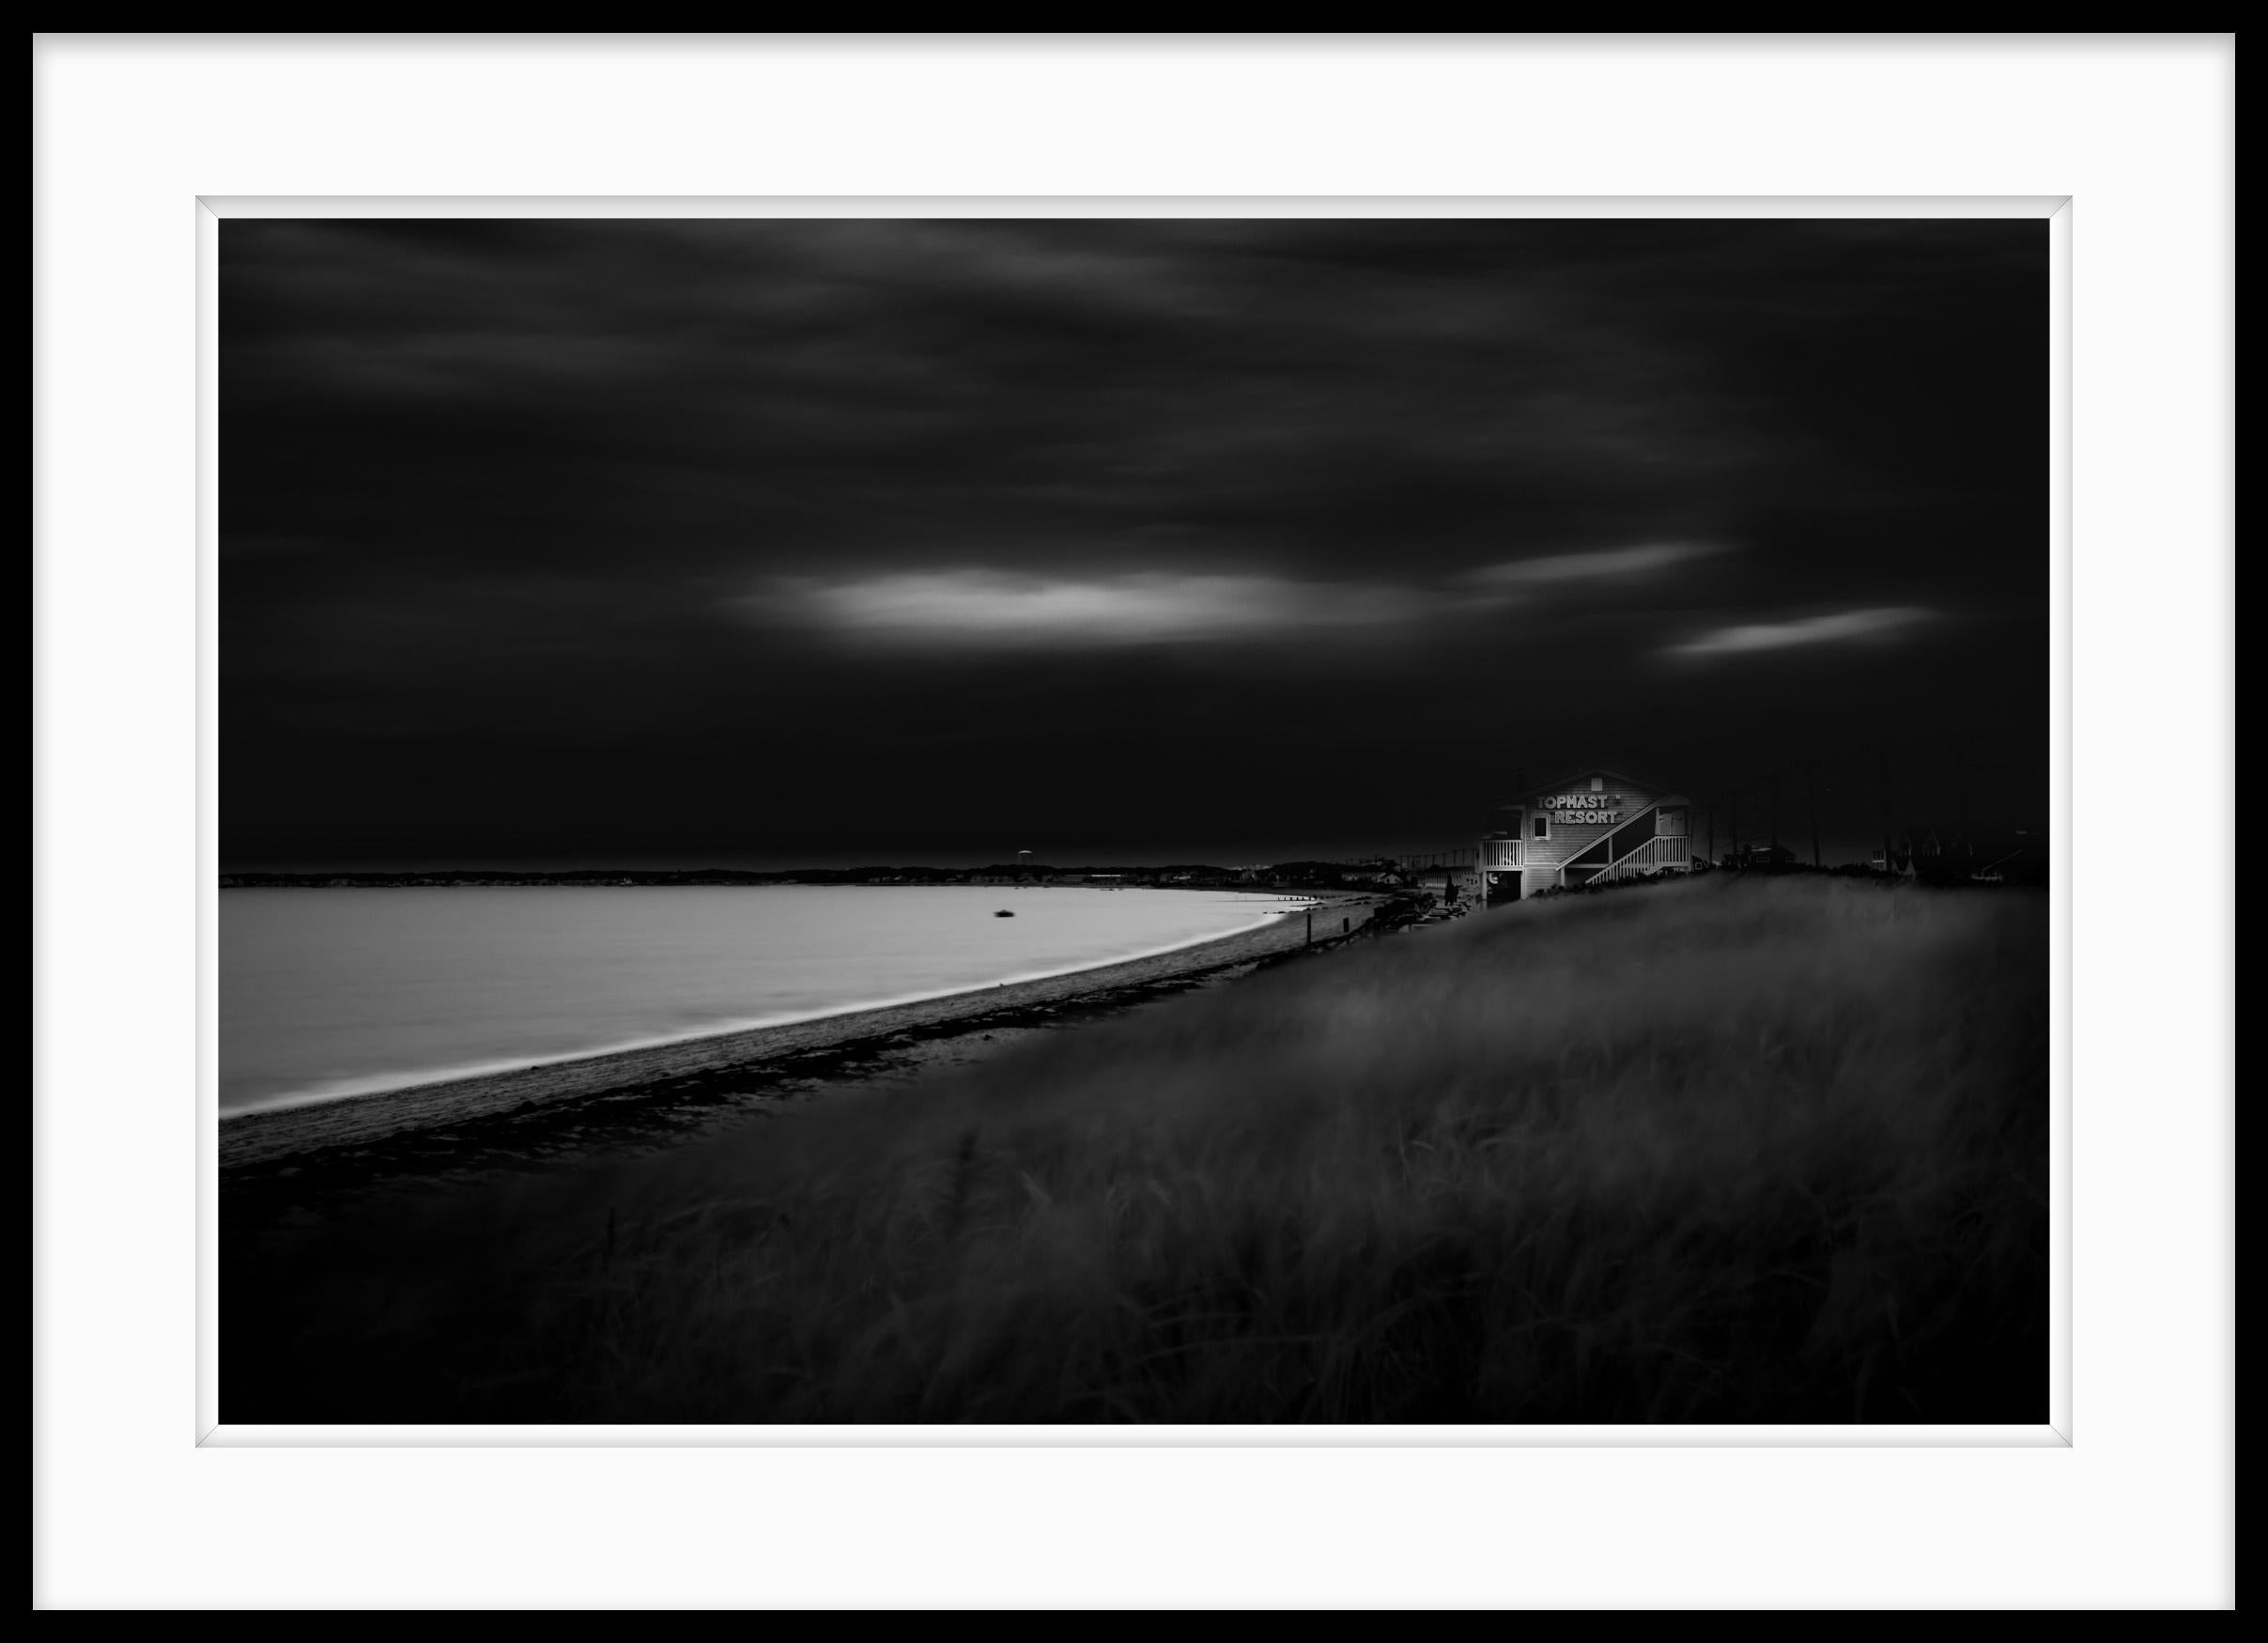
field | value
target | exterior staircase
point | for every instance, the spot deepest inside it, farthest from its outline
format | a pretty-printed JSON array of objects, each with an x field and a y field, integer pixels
[{"x": 1638, "y": 846}]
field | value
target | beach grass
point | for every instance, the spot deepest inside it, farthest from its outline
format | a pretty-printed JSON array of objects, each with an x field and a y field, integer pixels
[{"x": 1737, "y": 1149}]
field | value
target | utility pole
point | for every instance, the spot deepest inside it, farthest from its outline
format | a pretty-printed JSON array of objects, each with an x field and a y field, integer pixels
[
  {"x": 1882, "y": 755},
  {"x": 1961, "y": 750},
  {"x": 1811, "y": 788},
  {"x": 1771, "y": 811}
]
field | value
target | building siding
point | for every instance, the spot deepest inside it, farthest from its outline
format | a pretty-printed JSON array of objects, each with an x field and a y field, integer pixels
[{"x": 1572, "y": 830}]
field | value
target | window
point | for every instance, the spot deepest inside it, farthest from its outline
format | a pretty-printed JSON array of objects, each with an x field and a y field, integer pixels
[
  {"x": 1598, "y": 783},
  {"x": 1540, "y": 827}
]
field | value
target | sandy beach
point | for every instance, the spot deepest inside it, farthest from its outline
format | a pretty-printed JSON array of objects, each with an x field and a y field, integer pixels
[{"x": 622, "y": 1097}]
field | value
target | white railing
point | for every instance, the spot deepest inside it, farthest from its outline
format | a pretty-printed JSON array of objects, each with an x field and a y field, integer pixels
[{"x": 1653, "y": 854}]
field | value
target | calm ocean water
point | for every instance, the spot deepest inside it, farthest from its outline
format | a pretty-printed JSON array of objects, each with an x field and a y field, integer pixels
[{"x": 340, "y": 992}]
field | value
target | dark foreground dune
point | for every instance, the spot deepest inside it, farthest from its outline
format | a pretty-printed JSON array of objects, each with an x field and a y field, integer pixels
[{"x": 1728, "y": 1149}]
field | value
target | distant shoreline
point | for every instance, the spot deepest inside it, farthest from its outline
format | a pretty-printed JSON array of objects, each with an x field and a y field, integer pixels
[
  {"x": 276, "y": 1135},
  {"x": 1295, "y": 878}
]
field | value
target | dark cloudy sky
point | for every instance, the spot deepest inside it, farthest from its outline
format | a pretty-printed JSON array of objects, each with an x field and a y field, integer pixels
[{"x": 755, "y": 543}]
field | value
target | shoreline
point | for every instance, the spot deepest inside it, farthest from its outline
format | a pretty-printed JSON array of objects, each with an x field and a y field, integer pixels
[
  {"x": 273, "y": 1139},
  {"x": 380, "y": 1085}
]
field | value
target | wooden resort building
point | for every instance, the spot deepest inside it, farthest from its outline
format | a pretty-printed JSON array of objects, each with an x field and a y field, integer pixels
[{"x": 1591, "y": 825}]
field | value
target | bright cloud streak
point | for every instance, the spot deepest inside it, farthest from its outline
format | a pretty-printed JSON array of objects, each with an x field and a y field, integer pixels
[
  {"x": 1842, "y": 628},
  {"x": 980, "y": 607},
  {"x": 1000, "y": 608},
  {"x": 1597, "y": 566}
]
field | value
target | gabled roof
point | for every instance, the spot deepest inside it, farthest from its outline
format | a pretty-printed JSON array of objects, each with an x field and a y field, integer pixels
[{"x": 1584, "y": 775}]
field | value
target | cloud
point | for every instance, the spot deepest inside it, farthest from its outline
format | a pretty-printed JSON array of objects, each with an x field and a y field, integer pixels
[
  {"x": 1841, "y": 628},
  {"x": 1607, "y": 563},
  {"x": 1001, "y": 607},
  {"x": 986, "y": 607}
]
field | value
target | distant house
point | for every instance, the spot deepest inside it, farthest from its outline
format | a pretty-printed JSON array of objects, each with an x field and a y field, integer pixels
[
  {"x": 1949, "y": 856},
  {"x": 1591, "y": 826},
  {"x": 1757, "y": 853}
]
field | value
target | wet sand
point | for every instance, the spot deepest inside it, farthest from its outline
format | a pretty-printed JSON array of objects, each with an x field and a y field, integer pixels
[{"x": 634, "y": 1100}]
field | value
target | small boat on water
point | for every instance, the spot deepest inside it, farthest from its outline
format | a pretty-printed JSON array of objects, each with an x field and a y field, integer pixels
[{"x": 1004, "y": 914}]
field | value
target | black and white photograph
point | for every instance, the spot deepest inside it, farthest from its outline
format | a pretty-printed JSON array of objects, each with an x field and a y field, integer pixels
[{"x": 1134, "y": 821}]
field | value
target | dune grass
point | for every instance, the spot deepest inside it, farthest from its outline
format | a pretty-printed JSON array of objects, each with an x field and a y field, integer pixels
[{"x": 1726, "y": 1150}]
